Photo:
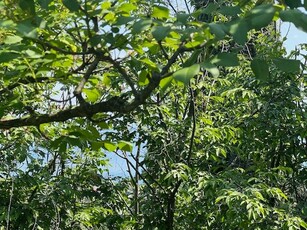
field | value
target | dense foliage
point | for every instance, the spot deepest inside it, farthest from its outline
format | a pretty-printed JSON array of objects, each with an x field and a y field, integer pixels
[{"x": 199, "y": 99}]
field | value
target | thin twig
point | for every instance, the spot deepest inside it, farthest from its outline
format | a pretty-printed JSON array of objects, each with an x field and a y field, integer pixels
[
  {"x": 151, "y": 177},
  {"x": 171, "y": 5},
  {"x": 187, "y": 6},
  {"x": 10, "y": 206},
  {"x": 141, "y": 176},
  {"x": 63, "y": 51},
  {"x": 121, "y": 197},
  {"x": 163, "y": 50},
  {"x": 193, "y": 126},
  {"x": 124, "y": 74}
]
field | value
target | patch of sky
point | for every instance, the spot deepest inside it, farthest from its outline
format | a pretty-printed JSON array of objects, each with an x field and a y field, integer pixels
[{"x": 294, "y": 37}]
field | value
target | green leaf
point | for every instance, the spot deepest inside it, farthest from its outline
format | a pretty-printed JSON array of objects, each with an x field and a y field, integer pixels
[
  {"x": 303, "y": 224},
  {"x": 125, "y": 146},
  {"x": 305, "y": 4},
  {"x": 95, "y": 40},
  {"x": 109, "y": 146},
  {"x": 143, "y": 78},
  {"x": 7, "y": 24},
  {"x": 218, "y": 199},
  {"x": 127, "y": 7},
  {"x": 27, "y": 29},
  {"x": 210, "y": 8},
  {"x": 72, "y": 5},
  {"x": 238, "y": 29},
  {"x": 298, "y": 18},
  {"x": 115, "y": 29},
  {"x": 32, "y": 54},
  {"x": 210, "y": 68},
  {"x": 12, "y": 39},
  {"x": 184, "y": 75},
  {"x": 120, "y": 41},
  {"x": 103, "y": 125},
  {"x": 63, "y": 146},
  {"x": 217, "y": 30},
  {"x": 225, "y": 59},
  {"x": 92, "y": 94},
  {"x": 110, "y": 17},
  {"x": 149, "y": 63},
  {"x": 160, "y": 32},
  {"x": 230, "y": 10},
  {"x": 287, "y": 65},
  {"x": 261, "y": 69},
  {"x": 293, "y": 3},
  {"x": 28, "y": 6},
  {"x": 96, "y": 145},
  {"x": 160, "y": 12},
  {"x": 141, "y": 25},
  {"x": 165, "y": 83},
  {"x": 106, "y": 5},
  {"x": 106, "y": 80},
  {"x": 8, "y": 56},
  {"x": 123, "y": 20},
  {"x": 193, "y": 58},
  {"x": 261, "y": 16},
  {"x": 44, "y": 3},
  {"x": 182, "y": 17}
]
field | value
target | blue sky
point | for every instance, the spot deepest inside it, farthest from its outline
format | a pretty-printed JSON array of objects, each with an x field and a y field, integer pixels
[{"x": 294, "y": 35}]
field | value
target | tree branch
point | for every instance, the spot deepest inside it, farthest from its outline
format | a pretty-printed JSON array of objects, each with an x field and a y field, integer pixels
[
  {"x": 28, "y": 80},
  {"x": 87, "y": 75},
  {"x": 114, "y": 104},
  {"x": 61, "y": 50}
]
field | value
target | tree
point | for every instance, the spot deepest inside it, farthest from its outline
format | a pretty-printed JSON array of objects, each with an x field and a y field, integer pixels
[{"x": 222, "y": 125}]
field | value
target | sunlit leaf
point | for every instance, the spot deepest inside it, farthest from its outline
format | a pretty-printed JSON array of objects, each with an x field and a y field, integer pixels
[
  {"x": 165, "y": 83},
  {"x": 127, "y": 7},
  {"x": 109, "y": 146},
  {"x": 143, "y": 78},
  {"x": 12, "y": 39},
  {"x": 125, "y": 146},
  {"x": 106, "y": 5},
  {"x": 92, "y": 94},
  {"x": 160, "y": 12}
]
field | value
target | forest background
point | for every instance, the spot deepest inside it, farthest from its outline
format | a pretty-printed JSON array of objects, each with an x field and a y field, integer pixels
[{"x": 199, "y": 98}]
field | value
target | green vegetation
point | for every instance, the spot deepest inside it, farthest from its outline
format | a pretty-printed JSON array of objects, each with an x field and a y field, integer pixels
[{"x": 202, "y": 102}]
